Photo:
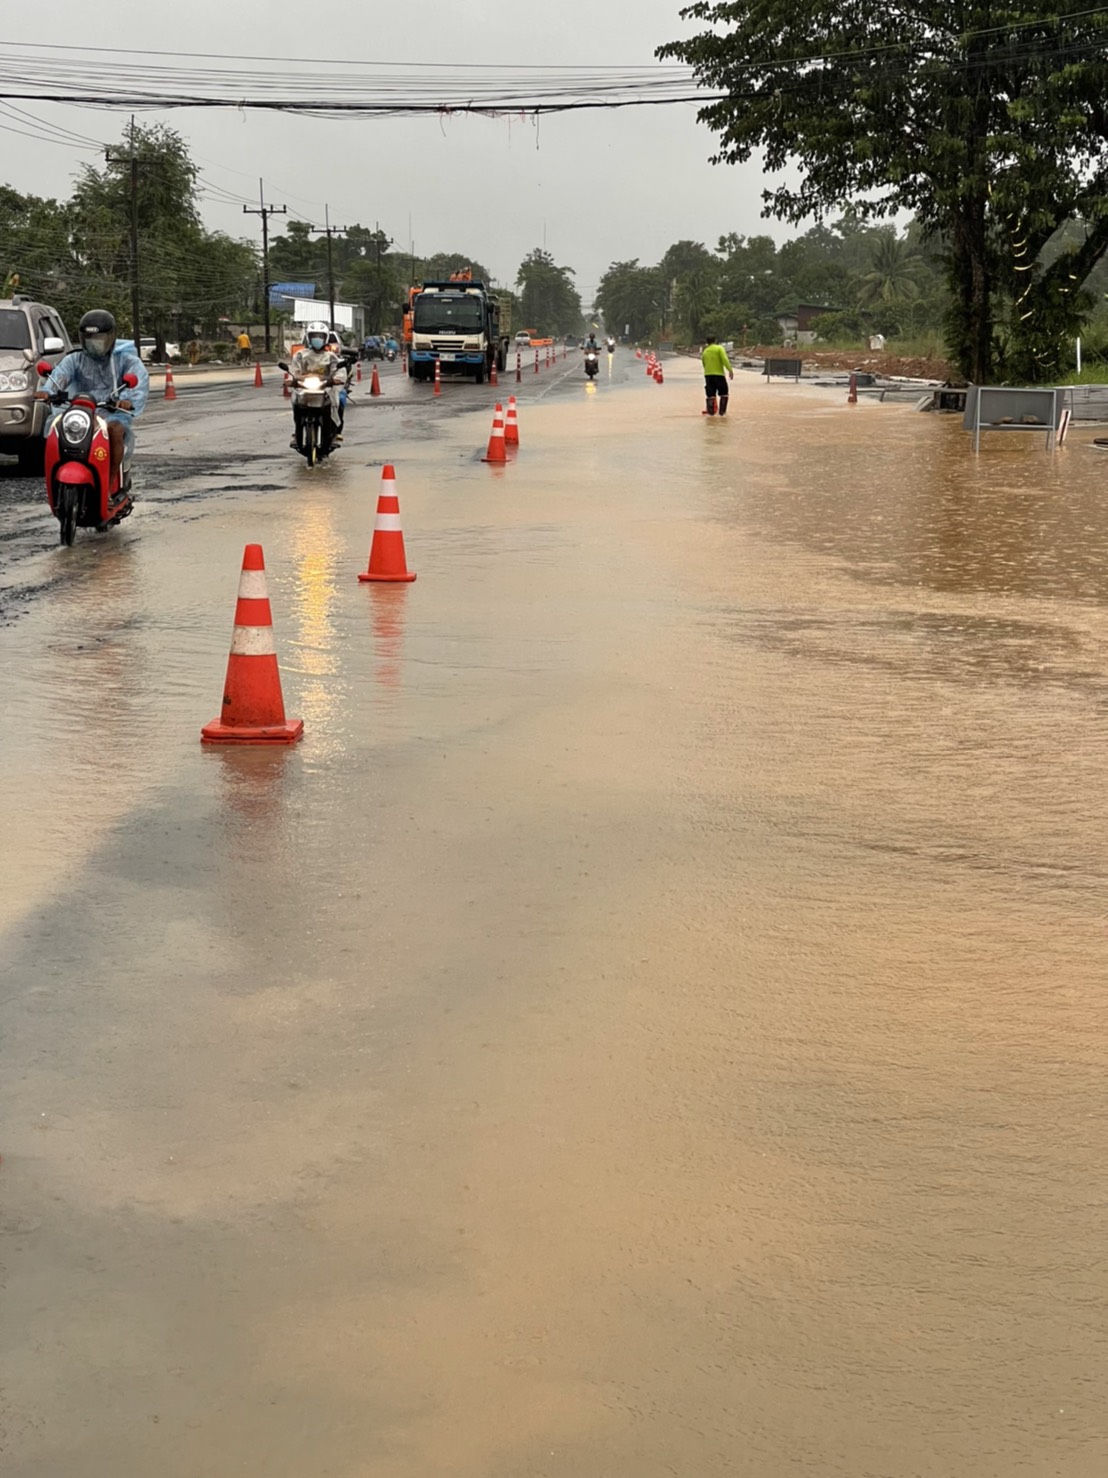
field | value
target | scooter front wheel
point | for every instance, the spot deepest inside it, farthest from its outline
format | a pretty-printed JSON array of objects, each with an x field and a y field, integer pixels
[{"x": 67, "y": 516}]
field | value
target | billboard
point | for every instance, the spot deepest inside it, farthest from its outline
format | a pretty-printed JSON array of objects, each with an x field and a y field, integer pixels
[{"x": 279, "y": 290}]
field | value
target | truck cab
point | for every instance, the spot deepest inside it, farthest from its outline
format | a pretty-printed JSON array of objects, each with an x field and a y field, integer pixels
[{"x": 457, "y": 324}]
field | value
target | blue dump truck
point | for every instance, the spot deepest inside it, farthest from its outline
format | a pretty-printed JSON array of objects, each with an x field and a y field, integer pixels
[{"x": 460, "y": 324}]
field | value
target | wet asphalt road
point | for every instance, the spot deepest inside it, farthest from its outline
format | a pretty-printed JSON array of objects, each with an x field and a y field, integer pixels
[
  {"x": 652, "y": 1025},
  {"x": 222, "y": 435}
]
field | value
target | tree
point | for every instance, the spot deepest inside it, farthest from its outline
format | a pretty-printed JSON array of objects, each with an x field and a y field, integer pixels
[
  {"x": 630, "y": 297},
  {"x": 549, "y": 301},
  {"x": 696, "y": 301},
  {"x": 989, "y": 125},
  {"x": 894, "y": 274}
]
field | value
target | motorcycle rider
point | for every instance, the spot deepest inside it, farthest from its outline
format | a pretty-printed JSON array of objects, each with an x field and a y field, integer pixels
[
  {"x": 96, "y": 370},
  {"x": 315, "y": 358},
  {"x": 590, "y": 346}
]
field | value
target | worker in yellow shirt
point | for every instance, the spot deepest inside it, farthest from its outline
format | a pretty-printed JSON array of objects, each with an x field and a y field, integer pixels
[
  {"x": 717, "y": 372},
  {"x": 243, "y": 344}
]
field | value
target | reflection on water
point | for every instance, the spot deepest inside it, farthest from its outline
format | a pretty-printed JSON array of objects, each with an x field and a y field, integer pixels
[{"x": 317, "y": 549}]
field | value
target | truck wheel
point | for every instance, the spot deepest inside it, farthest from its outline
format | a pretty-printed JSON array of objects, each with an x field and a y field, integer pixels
[
  {"x": 32, "y": 457},
  {"x": 479, "y": 375}
]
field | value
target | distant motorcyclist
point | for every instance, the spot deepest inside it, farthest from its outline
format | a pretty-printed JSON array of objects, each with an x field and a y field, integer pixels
[
  {"x": 96, "y": 370},
  {"x": 590, "y": 346},
  {"x": 315, "y": 358}
]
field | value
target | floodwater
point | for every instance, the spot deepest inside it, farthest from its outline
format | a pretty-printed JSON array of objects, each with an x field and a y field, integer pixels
[{"x": 653, "y": 1025}]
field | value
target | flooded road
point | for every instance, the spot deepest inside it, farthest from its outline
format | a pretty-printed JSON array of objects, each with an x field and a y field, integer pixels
[{"x": 653, "y": 1023}]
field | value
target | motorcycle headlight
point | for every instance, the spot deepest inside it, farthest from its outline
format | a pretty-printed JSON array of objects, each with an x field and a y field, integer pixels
[
  {"x": 313, "y": 382},
  {"x": 75, "y": 425}
]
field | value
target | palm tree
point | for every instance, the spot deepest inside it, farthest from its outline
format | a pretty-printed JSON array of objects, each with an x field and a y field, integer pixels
[
  {"x": 696, "y": 299},
  {"x": 894, "y": 275}
]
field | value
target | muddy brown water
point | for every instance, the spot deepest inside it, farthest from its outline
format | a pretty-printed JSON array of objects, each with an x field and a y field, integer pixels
[{"x": 654, "y": 1023}]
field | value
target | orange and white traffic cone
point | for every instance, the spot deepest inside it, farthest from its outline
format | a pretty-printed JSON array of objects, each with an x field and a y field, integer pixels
[
  {"x": 387, "y": 561},
  {"x": 519, "y": 367},
  {"x": 374, "y": 383},
  {"x": 659, "y": 378},
  {"x": 257, "y": 374},
  {"x": 253, "y": 709},
  {"x": 496, "y": 452},
  {"x": 536, "y": 361},
  {"x": 359, "y": 380},
  {"x": 638, "y": 353},
  {"x": 511, "y": 425},
  {"x": 493, "y": 378},
  {"x": 438, "y": 379},
  {"x": 170, "y": 388},
  {"x": 852, "y": 392}
]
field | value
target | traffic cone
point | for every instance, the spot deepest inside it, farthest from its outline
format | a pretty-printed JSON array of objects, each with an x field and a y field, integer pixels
[
  {"x": 496, "y": 452},
  {"x": 387, "y": 561},
  {"x": 659, "y": 378},
  {"x": 493, "y": 379},
  {"x": 438, "y": 379},
  {"x": 170, "y": 388},
  {"x": 650, "y": 366},
  {"x": 359, "y": 381},
  {"x": 257, "y": 374},
  {"x": 511, "y": 425},
  {"x": 375, "y": 383},
  {"x": 638, "y": 353},
  {"x": 852, "y": 392},
  {"x": 536, "y": 361},
  {"x": 253, "y": 710}
]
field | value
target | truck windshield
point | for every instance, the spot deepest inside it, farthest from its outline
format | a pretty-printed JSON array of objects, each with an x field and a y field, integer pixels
[
  {"x": 438, "y": 314},
  {"x": 14, "y": 330}
]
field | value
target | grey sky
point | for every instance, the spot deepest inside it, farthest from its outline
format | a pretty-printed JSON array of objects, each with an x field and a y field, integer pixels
[{"x": 602, "y": 186}]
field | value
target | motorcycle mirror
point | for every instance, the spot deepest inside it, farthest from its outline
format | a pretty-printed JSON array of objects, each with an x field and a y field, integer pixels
[
  {"x": 43, "y": 368},
  {"x": 130, "y": 380},
  {"x": 281, "y": 365}
]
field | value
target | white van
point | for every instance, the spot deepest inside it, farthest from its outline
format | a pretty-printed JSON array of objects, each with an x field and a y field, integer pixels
[{"x": 523, "y": 339}]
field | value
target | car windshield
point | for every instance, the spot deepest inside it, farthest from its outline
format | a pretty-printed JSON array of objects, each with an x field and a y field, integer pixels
[
  {"x": 437, "y": 314},
  {"x": 15, "y": 332}
]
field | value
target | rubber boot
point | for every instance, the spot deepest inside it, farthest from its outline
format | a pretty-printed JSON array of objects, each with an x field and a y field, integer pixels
[
  {"x": 723, "y": 404},
  {"x": 711, "y": 406}
]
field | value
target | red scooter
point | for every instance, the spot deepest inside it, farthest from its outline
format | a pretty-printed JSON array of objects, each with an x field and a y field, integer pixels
[{"x": 80, "y": 489}]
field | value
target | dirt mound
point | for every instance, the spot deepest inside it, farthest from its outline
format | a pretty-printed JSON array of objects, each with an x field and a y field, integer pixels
[{"x": 925, "y": 367}]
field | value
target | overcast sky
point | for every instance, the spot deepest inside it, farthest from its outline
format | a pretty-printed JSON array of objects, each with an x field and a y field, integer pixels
[{"x": 596, "y": 186}]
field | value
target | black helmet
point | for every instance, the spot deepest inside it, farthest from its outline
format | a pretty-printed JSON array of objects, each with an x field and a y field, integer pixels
[{"x": 96, "y": 332}]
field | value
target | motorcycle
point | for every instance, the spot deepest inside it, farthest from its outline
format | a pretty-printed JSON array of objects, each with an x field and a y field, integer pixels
[
  {"x": 316, "y": 428},
  {"x": 390, "y": 355},
  {"x": 81, "y": 490},
  {"x": 611, "y": 346},
  {"x": 592, "y": 363}
]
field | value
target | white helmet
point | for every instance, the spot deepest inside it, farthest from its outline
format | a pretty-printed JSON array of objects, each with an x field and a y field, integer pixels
[{"x": 316, "y": 331}]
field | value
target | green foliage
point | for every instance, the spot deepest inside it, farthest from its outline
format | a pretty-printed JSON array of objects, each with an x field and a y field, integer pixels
[
  {"x": 989, "y": 125},
  {"x": 631, "y": 299},
  {"x": 549, "y": 301}
]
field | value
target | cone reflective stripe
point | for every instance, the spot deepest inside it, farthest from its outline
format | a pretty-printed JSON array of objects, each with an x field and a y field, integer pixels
[
  {"x": 387, "y": 560},
  {"x": 253, "y": 709},
  {"x": 257, "y": 374},
  {"x": 438, "y": 379},
  {"x": 375, "y": 383},
  {"x": 519, "y": 366},
  {"x": 170, "y": 388},
  {"x": 496, "y": 452},
  {"x": 511, "y": 425}
]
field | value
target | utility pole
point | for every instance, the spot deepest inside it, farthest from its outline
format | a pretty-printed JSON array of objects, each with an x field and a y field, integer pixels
[
  {"x": 265, "y": 211},
  {"x": 330, "y": 232},
  {"x": 132, "y": 160}
]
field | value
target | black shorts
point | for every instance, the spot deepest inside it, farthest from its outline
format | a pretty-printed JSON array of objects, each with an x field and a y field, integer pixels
[{"x": 715, "y": 385}]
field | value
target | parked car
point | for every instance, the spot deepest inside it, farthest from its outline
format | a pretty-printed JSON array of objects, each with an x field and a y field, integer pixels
[
  {"x": 523, "y": 339},
  {"x": 29, "y": 332},
  {"x": 148, "y": 351}
]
